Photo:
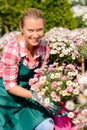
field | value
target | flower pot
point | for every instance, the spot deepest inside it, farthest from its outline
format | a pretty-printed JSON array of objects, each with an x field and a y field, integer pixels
[{"x": 62, "y": 122}]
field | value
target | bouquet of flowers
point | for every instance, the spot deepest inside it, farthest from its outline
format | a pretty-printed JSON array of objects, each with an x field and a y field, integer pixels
[{"x": 58, "y": 87}]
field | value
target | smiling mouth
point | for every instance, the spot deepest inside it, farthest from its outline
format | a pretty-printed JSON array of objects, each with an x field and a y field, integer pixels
[{"x": 35, "y": 40}]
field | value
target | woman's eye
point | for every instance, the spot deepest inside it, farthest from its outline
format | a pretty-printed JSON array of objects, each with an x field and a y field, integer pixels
[
  {"x": 39, "y": 30},
  {"x": 30, "y": 31}
]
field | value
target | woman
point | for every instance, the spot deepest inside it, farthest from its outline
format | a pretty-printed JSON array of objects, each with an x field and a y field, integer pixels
[{"x": 19, "y": 59}]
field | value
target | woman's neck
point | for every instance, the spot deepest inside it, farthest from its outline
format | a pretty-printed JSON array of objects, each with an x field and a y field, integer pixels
[{"x": 30, "y": 50}]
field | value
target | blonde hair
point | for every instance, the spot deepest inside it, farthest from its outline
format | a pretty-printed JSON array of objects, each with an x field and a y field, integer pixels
[{"x": 31, "y": 13}]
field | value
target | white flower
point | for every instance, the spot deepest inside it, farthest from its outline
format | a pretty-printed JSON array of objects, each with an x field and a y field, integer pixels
[
  {"x": 75, "y": 121},
  {"x": 70, "y": 105},
  {"x": 69, "y": 82},
  {"x": 32, "y": 86},
  {"x": 70, "y": 114},
  {"x": 82, "y": 99},
  {"x": 83, "y": 79},
  {"x": 59, "y": 82},
  {"x": 61, "y": 55},
  {"x": 44, "y": 90},
  {"x": 42, "y": 79},
  {"x": 84, "y": 121},
  {"x": 85, "y": 92},
  {"x": 70, "y": 73},
  {"x": 53, "y": 51},
  {"x": 74, "y": 84},
  {"x": 64, "y": 93},
  {"x": 80, "y": 117},
  {"x": 57, "y": 75},
  {"x": 52, "y": 76},
  {"x": 47, "y": 101},
  {"x": 76, "y": 91},
  {"x": 40, "y": 94},
  {"x": 84, "y": 112}
]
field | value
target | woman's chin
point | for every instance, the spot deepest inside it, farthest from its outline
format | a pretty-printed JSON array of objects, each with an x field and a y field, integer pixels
[{"x": 35, "y": 44}]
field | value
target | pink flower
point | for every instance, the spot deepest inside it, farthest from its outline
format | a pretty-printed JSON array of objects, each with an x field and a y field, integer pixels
[
  {"x": 50, "y": 68},
  {"x": 64, "y": 77},
  {"x": 79, "y": 68},
  {"x": 39, "y": 71},
  {"x": 70, "y": 66},
  {"x": 69, "y": 89},
  {"x": 53, "y": 94},
  {"x": 36, "y": 75},
  {"x": 76, "y": 81},
  {"x": 54, "y": 84},
  {"x": 31, "y": 81},
  {"x": 37, "y": 86},
  {"x": 57, "y": 99}
]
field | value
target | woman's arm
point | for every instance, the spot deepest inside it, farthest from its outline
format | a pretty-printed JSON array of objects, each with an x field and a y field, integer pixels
[
  {"x": 10, "y": 68},
  {"x": 21, "y": 92}
]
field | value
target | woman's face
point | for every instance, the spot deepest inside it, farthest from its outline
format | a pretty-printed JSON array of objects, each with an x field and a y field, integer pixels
[{"x": 32, "y": 30}]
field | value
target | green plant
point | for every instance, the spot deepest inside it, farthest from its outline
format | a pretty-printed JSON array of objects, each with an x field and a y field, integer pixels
[{"x": 57, "y": 13}]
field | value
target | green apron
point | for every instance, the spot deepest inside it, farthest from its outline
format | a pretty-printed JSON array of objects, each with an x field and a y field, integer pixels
[{"x": 18, "y": 113}]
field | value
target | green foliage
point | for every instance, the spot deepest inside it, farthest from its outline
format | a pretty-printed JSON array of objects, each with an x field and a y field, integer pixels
[
  {"x": 10, "y": 12},
  {"x": 57, "y": 13},
  {"x": 79, "y": 22}
]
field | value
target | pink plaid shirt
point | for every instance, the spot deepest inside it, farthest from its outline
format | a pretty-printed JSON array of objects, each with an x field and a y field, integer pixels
[{"x": 11, "y": 56}]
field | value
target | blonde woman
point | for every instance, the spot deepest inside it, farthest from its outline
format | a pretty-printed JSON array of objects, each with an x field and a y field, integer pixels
[{"x": 19, "y": 58}]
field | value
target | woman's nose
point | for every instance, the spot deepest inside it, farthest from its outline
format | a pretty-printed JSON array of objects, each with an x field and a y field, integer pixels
[{"x": 35, "y": 34}]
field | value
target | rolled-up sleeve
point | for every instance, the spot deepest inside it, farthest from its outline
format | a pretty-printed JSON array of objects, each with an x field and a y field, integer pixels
[{"x": 10, "y": 66}]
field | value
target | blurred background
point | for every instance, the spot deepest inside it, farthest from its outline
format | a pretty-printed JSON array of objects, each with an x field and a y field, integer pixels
[
  {"x": 69, "y": 14},
  {"x": 65, "y": 19}
]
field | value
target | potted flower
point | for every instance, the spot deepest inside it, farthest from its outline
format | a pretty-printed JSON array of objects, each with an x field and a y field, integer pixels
[
  {"x": 63, "y": 48},
  {"x": 59, "y": 87}
]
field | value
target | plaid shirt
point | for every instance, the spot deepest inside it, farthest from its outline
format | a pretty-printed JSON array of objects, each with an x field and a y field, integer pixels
[{"x": 11, "y": 57}]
